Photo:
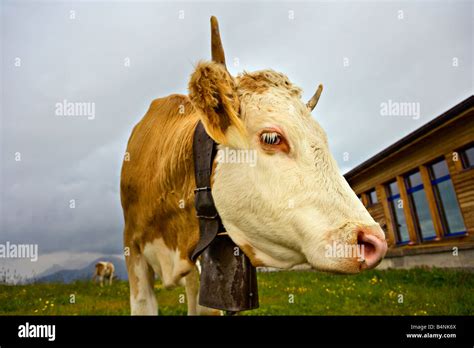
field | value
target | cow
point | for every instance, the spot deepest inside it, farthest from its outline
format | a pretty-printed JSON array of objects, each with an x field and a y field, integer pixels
[
  {"x": 284, "y": 209},
  {"x": 103, "y": 269}
]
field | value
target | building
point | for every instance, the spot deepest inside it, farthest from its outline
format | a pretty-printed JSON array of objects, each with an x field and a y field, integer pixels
[{"x": 421, "y": 191}]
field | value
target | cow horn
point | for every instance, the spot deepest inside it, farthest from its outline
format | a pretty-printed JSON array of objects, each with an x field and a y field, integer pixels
[
  {"x": 314, "y": 99},
  {"x": 216, "y": 43}
]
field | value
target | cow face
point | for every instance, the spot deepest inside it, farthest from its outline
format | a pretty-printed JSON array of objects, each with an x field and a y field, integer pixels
[{"x": 276, "y": 186}]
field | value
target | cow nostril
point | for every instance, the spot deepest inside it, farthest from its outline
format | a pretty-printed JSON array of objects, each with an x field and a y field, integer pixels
[
  {"x": 372, "y": 249},
  {"x": 367, "y": 248}
]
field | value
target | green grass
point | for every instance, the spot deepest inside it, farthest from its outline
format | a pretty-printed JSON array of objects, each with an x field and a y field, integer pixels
[{"x": 425, "y": 292}]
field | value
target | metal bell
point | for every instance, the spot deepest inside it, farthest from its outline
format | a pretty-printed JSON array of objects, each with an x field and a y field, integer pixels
[{"x": 228, "y": 279}]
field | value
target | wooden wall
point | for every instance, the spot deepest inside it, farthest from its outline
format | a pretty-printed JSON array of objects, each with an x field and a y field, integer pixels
[
  {"x": 377, "y": 212},
  {"x": 463, "y": 181},
  {"x": 437, "y": 143}
]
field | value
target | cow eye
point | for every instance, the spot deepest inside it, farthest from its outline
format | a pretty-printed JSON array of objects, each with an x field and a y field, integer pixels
[{"x": 270, "y": 138}]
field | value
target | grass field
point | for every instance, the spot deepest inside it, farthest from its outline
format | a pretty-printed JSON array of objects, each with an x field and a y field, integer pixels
[{"x": 391, "y": 292}]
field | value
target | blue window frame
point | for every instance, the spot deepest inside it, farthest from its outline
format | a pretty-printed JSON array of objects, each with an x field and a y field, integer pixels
[
  {"x": 448, "y": 207},
  {"x": 419, "y": 207},
  {"x": 399, "y": 221}
]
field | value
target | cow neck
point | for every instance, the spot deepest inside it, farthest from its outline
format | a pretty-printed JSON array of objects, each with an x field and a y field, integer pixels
[{"x": 204, "y": 152}]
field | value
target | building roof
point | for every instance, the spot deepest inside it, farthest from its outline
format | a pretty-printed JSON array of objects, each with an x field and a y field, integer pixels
[{"x": 433, "y": 124}]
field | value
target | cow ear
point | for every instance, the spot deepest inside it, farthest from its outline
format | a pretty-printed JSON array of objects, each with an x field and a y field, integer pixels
[{"x": 212, "y": 91}]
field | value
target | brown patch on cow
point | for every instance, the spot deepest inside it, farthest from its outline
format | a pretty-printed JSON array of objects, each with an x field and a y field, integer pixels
[
  {"x": 99, "y": 268},
  {"x": 249, "y": 251},
  {"x": 213, "y": 93},
  {"x": 213, "y": 170},
  {"x": 157, "y": 183},
  {"x": 130, "y": 195},
  {"x": 130, "y": 262},
  {"x": 261, "y": 81}
]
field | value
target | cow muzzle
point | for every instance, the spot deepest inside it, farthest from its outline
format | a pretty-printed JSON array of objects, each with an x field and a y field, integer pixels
[{"x": 373, "y": 246}]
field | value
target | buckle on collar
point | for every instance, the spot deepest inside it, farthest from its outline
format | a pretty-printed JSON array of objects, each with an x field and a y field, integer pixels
[
  {"x": 204, "y": 203},
  {"x": 205, "y": 188}
]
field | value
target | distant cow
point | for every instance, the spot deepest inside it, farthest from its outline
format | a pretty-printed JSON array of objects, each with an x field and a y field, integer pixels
[{"x": 103, "y": 270}]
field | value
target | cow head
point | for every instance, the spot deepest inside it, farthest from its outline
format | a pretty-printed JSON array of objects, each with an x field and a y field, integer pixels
[{"x": 276, "y": 186}]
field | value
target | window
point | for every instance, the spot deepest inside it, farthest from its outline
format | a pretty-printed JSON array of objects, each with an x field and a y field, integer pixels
[
  {"x": 446, "y": 201},
  {"x": 419, "y": 207},
  {"x": 467, "y": 157},
  {"x": 399, "y": 221},
  {"x": 372, "y": 194}
]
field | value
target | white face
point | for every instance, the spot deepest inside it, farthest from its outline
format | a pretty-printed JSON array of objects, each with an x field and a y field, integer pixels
[{"x": 291, "y": 204}]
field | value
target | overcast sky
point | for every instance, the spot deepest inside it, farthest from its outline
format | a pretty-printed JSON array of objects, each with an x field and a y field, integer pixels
[{"x": 122, "y": 55}]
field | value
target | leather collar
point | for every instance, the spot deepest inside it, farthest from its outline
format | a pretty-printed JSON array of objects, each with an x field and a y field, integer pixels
[{"x": 204, "y": 152}]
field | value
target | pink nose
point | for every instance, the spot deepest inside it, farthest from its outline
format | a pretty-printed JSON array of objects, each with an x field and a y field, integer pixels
[{"x": 374, "y": 245}]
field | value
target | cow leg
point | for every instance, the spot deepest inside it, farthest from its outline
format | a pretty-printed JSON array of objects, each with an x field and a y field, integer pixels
[
  {"x": 192, "y": 295},
  {"x": 111, "y": 277},
  {"x": 101, "y": 279},
  {"x": 191, "y": 282},
  {"x": 142, "y": 279}
]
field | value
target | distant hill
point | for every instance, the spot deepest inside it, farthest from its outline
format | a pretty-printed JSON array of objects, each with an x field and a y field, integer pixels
[
  {"x": 70, "y": 275},
  {"x": 53, "y": 269}
]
